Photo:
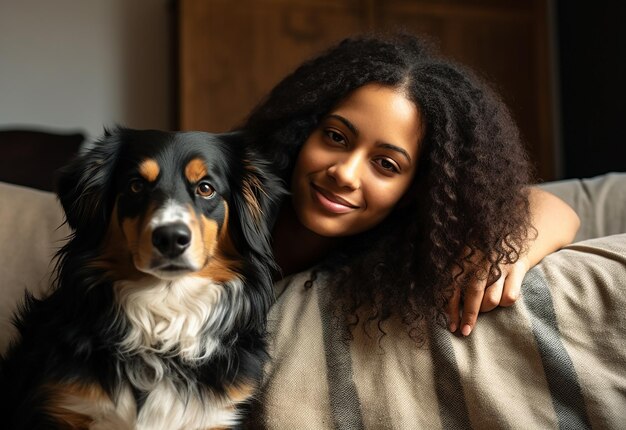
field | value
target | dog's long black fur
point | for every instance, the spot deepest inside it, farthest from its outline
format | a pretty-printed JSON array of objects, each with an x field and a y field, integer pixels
[{"x": 156, "y": 318}]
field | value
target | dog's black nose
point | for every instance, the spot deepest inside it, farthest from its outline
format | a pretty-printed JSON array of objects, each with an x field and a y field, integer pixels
[{"x": 171, "y": 240}]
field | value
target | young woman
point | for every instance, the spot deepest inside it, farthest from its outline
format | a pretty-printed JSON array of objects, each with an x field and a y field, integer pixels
[{"x": 409, "y": 184}]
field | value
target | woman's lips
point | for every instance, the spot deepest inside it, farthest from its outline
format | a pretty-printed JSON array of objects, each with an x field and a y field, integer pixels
[{"x": 332, "y": 202}]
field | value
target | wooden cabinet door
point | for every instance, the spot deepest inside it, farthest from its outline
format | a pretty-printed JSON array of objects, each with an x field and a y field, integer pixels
[
  {"x": 506, "y": 42},
  {"x": 231, "y": 53}
]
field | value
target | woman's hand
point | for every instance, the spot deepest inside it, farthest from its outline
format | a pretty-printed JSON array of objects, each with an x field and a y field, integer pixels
[
  {"x": 504, "y": 292},
  {"x": 555, "y": 225}
]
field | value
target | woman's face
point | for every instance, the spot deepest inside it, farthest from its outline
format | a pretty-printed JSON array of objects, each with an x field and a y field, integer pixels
[{"x": 358, "y": 163}]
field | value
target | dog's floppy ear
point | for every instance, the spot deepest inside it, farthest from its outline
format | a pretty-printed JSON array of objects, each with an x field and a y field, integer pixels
[
  {"x": 83, "y": 186},
  {"x": 257, "y": 203},
  {"x": 256, "y": 206}
]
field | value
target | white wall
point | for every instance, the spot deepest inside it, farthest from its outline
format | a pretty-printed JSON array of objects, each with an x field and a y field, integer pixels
[{"x": 83, "y": 64}]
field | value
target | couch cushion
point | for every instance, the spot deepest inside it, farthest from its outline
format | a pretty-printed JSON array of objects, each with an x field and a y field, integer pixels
[{"x": 31, "y": 231}]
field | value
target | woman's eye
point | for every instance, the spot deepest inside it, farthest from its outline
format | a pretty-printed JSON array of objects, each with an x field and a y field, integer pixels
[
  {"x": 336, "y": 137},
  {"x": 205, "y": 190},
  {"x": 387, "y": 165},
  {"x": 136, "y": 186}
]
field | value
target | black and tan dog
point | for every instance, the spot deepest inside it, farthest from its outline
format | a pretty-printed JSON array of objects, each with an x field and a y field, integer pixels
[{"x": 157, "y": 315}]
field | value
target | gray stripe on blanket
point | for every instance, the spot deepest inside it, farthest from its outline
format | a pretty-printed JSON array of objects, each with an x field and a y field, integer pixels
[
  {"x": 344, "y": 398},
  {"x": 567, "y": 397},
  {"x": 452, "y": 408}
]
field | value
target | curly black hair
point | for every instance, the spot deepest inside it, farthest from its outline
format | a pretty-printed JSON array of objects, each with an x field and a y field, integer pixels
[{"x": 469, "y": 209}]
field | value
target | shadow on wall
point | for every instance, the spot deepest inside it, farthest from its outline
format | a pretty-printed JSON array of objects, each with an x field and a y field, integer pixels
[
  {"x": 593, "y": 88},
  {"x": 84, "y": 65},
  {"x": 148, "y": 59}
]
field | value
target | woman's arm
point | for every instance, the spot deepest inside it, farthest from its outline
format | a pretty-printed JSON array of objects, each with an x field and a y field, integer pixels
[
  {"x": 555, "y": 221},
  {"x": 556, "y": 225}
]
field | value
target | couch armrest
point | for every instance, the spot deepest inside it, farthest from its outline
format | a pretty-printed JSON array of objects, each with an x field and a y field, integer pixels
[{"x": 600, "y": 203}]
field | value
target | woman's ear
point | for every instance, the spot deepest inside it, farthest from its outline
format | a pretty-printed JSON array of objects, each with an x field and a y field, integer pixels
[{"x": 83, "y": 186}]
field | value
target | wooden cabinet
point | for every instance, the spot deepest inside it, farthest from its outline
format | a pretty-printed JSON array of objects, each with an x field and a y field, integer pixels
[{"x": 232, "y": 52}]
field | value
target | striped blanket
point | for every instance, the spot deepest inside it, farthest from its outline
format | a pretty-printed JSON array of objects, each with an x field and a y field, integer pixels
[{"x": 556, "y": 359}]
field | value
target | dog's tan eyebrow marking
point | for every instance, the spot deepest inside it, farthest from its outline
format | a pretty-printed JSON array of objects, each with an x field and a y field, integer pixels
[
  {"x": 149, "y": 169},
  {"x": 195, "y": 170}
]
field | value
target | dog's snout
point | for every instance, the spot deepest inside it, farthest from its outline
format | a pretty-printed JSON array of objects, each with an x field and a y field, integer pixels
[{"x": 172, "y": 240}]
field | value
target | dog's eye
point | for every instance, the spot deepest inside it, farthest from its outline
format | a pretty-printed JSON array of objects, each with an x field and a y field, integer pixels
[
  {"x": 205, "y": 190},
  {"x": 136, "y": 186}
]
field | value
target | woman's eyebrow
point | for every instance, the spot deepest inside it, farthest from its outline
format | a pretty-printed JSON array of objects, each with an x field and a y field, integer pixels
[
  {"x": 345, "y": 122},
  {"x": 355, "y": 131},
  {"x": 395, "y": 148}
]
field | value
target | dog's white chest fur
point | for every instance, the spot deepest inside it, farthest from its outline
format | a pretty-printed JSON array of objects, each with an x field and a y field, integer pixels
[
  {"x": 164, "y": 410},
  {"x": 185, "y": 317}
]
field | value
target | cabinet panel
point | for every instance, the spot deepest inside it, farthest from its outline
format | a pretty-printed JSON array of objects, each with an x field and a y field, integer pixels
[
  {"x": 505, "y": 43},
  {"x": 232, "y": 53}
]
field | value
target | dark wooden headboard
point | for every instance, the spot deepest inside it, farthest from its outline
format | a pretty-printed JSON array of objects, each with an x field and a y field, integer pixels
[{"x": 31, "y": 157}]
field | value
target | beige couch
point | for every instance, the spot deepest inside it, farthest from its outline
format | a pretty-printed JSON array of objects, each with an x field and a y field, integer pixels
[{"x": 555, "y": 359}]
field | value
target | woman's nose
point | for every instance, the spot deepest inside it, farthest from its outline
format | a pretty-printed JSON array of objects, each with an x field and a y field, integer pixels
[{"x": 347, "y": 172}]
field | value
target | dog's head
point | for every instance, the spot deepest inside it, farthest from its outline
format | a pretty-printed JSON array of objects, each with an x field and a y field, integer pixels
[{"x": 168, "y": 205}]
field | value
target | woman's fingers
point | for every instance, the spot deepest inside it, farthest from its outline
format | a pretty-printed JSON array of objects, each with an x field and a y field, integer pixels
[
  {"x": 479, "y": 298},
  {"x": 493, "y": 294},
  {"x": 453, "y": 310},
  {"x": 513, "y": 283},
  {"x": 471, "y": 307}
]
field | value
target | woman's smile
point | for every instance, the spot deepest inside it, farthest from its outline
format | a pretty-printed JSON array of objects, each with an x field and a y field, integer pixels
[{"x": 332, "y": 202}]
